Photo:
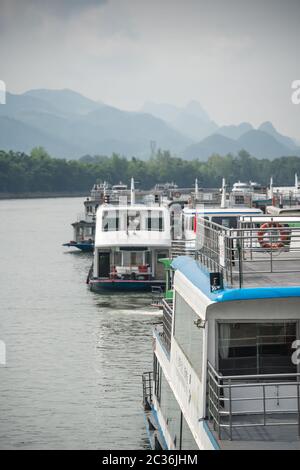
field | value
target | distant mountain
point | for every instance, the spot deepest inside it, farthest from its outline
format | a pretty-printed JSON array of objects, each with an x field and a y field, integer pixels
[
  {"x": 215, "y": 143},
  {"x": 235, "y": 132},
  {"x": 166, "y": 112},
  {"x": 270, "y": 129},
  {"x": 69, "y": 125},
  {"x": 191, "y": 120},
  {"x": 65, "y": 101},
  {"x": 18, "y": 136},
  {"x": 258, "y": 143},
  {"x": 264, "y": 145}
]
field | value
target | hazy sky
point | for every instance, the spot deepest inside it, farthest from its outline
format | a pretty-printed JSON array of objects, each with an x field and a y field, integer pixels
[{"x": 237, "y": 57}]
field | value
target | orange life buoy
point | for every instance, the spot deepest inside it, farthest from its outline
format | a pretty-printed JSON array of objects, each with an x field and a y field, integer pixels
[{"x": 283, "y": 236}]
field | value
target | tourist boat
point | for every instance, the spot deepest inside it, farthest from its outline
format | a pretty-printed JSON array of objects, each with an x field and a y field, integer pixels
[
  {"x": 226, "y": 212},
  {"x": 84, "y": 227},
  {"x": 226, "y": 371},
  {"x": 130, "y": 240}
]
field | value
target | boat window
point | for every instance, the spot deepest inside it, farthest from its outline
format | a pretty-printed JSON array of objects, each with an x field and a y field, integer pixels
[
  {"x": 188, "y": 336},
  {"x": 134, "y": 220},
  {"x": 230, "y": 222},
  {"x": 136, "y": 258},
  {"x": 110, "y": 221},
  {"x": 256, "y": 348},
  {"x": 155, "y": 221},
  {"x": 177, "y": 426},
  {"x": 118, "y": 258},
  {"x": 88, "y": 231},
  {"x": 239, "y": 199},
  {"x": 170, "y": 410}
]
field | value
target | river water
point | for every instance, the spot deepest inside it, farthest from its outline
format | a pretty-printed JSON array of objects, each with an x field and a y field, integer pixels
[{"x": 74, "y": 359}]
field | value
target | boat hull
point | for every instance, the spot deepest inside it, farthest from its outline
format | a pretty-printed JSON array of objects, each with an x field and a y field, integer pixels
[
  {"x": 116, "y": 285},
  {"x": 81, "y": 246}
]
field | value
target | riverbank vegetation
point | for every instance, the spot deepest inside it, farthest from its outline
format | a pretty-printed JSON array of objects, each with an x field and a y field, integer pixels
[{"x": 21, "y": 173}]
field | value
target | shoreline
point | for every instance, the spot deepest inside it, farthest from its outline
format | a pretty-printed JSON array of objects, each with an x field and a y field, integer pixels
[{"x": 43, "y": 195}]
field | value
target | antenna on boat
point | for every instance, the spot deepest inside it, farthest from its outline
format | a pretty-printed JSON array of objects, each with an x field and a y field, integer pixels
[
  {"x": 271, "y": 189},
  {"x": 196, "y": 190},
  {"x": 223, "y": 200},
  {"x": 132, "y": 192}
]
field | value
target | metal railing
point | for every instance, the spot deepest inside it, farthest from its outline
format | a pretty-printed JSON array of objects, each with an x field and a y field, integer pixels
[
  {"x": 166, "y": 334},
  {"x": 249, "y": 401},
  {"x": 248, "y": 249},
  {"x": 182, "y": 248},
  {"x": 147, "y": 379}
]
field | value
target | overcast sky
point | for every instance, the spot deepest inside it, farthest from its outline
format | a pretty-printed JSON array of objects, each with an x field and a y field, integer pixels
[{"x": 238, "y": 58}]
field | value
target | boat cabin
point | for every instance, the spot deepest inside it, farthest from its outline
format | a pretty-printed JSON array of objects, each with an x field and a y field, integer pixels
[
  {"x": 129, "y": 242},
  {"x": 227, "y": 373}
]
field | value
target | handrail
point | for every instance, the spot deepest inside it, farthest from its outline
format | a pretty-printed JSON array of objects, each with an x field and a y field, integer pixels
[
  {"x": 147, "y": 378},
  {"x": 241, "y": 252},
  {"x": 167, "y": 323},
  {"x": 251, "y": 376},
  {"x": 225, "y": 406}
]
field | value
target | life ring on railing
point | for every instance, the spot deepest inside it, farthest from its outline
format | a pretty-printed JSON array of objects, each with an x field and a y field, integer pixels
[{"x": 283, "y": 236}]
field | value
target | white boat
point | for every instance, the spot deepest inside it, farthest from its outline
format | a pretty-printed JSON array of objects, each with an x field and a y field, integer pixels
[
  {"x": 225, "y": 213},
  {"x": 226, "y": 371},
  {"x": 130, "y": 239}
]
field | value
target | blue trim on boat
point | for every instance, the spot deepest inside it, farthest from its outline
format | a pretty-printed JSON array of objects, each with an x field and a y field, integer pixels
[
  {"x": 199, "y": 277},
  {"x": 150, "y": 434},
  {"x": 210, "y": 436}
]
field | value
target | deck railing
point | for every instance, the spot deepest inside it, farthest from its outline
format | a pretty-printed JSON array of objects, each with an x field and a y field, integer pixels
[
  {"x": 248, "y": 401},
  {"x": 182, "y": 248},
  {"x": 248, "y": 249},
  {"x": 166, "y": 335},
  {"x": 147, "y": 379}
]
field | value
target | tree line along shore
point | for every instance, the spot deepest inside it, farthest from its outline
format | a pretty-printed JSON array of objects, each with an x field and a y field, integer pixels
[{"x": 40, "y": 175}]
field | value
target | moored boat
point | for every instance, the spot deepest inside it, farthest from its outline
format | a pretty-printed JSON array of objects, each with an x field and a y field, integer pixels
[
  {"x": 130, "y": 240},
  {"x": 226, "y": 371}
]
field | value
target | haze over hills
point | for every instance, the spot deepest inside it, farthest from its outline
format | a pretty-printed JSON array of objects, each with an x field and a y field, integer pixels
[
  {"x": 191, "y": 120},
  {"x": 256, "y": 142},
  {"x": 70, "y": 125}
]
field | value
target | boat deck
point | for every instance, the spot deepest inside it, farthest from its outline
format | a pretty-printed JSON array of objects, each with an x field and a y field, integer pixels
[
  {"x": 271, "y": 437},
  {"x": 280, "y": 269}
]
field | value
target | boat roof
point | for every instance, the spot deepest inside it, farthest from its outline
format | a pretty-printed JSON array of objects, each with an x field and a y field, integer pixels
[
  {"x": 225, "y": 210},
  {"x": 199, "y": 276},
  {"x": 134, "y": 207},
  {"x": 276, "y": 218}
]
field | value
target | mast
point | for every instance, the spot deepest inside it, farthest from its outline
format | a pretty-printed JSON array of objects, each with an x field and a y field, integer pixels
[
  {"x": 196, "y": 190},
  {"x": 132, "y": 192},
  {"x": 223, "y": 200},
  {"x": 271, "y": 189}
]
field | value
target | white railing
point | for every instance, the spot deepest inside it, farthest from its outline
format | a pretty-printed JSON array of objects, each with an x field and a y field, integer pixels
[{"x": 244, "y": 401}]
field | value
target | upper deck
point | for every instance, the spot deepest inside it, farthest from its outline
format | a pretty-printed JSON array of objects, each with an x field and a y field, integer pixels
[
  {"x": 260, "y": 252},
  {"x": 132, "y": 225}
]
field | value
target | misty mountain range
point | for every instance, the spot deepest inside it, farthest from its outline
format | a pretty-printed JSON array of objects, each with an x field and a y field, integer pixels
[{"x": 70, "y": 125}]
